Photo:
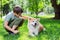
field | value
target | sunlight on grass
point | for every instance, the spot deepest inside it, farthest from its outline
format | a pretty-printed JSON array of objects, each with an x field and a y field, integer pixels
[
  {"x": 44, "y": 37},
  {"x": 52, "y": 30},
  {"x": 1, "y": 37},
  {"x": 47, "y": 16},
  {"x": 24, "y": 36}
]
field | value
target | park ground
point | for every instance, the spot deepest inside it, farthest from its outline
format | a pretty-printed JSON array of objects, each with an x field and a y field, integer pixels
[{"x": 52, "y": 30}]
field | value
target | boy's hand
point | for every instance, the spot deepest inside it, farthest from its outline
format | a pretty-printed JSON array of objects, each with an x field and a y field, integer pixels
[
  {"x": 15, "y": 31},
  {"x": 24, "y": 17}
]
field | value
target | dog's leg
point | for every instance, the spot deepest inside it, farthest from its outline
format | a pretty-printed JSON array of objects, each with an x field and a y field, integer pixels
[
  {"x": 36, "y": 33},
  {"x": 41, "y": 28},
  {"x": 31, "y": 34}
]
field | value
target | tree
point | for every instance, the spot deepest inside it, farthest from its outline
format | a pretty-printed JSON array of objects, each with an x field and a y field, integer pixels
[
  {"x": 5, "y": 6},
  {"x": 35, "y": 6},
  {"x": 6, "y": 9},
  {"x": 56, "y": 6}
]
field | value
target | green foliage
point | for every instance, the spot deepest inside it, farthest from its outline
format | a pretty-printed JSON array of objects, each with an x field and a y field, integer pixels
[
  {"x": 30, "y": 5},
  {"x": 0, "y": 5},
  {"x": 40, "y": 5},
  {"x": 35, "y": 5},
  {"x": 58, "y": 2},
  {"x": 4, "y": 2}
]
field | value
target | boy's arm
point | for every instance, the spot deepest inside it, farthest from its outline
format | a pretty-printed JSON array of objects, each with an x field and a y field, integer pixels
[
  {"x": 24, "y": 17},
  {"x": 8, "y": 28}
]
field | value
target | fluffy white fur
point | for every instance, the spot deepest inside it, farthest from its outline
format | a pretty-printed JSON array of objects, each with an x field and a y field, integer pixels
[{"x": 33, "y": 26}]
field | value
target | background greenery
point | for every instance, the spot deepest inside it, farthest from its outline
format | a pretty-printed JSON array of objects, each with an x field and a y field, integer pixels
[{"x": 32, "y": 6}]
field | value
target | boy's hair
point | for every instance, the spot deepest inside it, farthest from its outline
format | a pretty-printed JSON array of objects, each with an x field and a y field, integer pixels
[{"x": 17, "y": 10}]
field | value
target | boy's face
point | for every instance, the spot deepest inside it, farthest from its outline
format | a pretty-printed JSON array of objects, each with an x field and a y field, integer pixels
[{"x": 19, "y": 14}]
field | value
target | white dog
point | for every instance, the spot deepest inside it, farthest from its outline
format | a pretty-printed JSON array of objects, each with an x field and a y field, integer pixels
[{"x": 34, "y": 26}]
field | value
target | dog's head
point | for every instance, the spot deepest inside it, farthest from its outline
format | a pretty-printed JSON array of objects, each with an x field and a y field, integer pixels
[{"x": 34, "y": 21}]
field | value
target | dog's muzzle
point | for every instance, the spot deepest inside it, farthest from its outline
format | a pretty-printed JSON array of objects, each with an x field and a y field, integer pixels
[{"x": 35, "y": 24}]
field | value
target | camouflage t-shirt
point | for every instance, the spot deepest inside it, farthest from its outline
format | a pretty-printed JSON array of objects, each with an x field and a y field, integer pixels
[{"x": 10, "y": 17}]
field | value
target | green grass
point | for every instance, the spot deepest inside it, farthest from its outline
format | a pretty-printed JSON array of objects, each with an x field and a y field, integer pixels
[{"x": 52, "y": 30}]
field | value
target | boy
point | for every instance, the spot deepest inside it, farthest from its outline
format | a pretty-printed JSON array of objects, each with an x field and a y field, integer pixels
[{"x": 13, "y": 20}]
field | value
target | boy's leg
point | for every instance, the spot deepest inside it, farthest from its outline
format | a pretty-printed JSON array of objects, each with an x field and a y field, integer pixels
[
  {"x": 15, "y": 24},
  {"x": 8, "y": 31},
  {"x": 19, "y": 24}
]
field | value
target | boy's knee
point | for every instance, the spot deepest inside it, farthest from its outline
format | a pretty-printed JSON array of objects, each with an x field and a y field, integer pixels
[{"x": 19, "y": 21}]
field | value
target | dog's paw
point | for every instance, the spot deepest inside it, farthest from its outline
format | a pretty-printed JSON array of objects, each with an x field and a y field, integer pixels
[
  {"x": 44, "y": 29},
  {"x": 36, "y": 33},
  {"x": 32, "y": 35}
]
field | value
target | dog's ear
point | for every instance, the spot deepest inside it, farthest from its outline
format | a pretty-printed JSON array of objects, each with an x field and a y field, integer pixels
[
  {"x": 29, "y": 18},
  {"x": 38, "y": 19}
]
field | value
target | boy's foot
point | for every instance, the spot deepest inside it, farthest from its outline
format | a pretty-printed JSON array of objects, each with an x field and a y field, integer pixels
[
  {"x": 15, "y": 31},
  {"x": 11, "y": 33}
]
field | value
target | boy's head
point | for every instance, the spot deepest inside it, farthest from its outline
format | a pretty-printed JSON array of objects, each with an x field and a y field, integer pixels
[{"x": 17, "y": 11}]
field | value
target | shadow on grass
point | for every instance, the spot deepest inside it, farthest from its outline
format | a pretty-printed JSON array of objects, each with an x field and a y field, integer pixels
[
  {"x": 49, "y": 35},
  {"x": 52, "y": 29},
  {"x": 11, "y": 37}
]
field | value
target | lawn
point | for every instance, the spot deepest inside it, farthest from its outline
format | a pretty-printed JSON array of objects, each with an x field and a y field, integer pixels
[{"x": 52, "y": 30}]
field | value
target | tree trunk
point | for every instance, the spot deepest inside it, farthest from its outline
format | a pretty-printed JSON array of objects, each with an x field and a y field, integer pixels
[
  {"x": 56, "y": 9},
  {"x": 6, "y": 9}
]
